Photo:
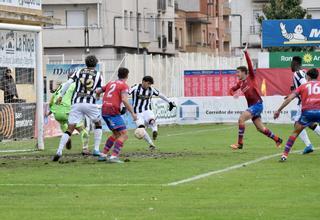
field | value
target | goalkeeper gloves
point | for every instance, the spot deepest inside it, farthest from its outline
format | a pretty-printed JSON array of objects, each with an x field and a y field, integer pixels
[{"x": 171, "y": 106}]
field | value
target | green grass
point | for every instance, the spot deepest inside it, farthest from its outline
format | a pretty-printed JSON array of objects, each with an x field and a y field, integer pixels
[{"x": 81, "y": 188}]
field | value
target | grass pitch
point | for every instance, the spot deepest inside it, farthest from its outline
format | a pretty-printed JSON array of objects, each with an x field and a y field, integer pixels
[{"x": 33, "y": 187}]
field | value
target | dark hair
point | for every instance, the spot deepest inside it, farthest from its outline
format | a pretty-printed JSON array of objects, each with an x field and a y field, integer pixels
[
  {"x": 297, "y": 59},
  {"x": 123, "y": 73},
  {"x": 243, "y": 69},
  {"x": 91, "y": 61},
  {"x": 313, "y": 73},
  {"x": 148, "y": 79},
  {"x": 8, "y": 70}
]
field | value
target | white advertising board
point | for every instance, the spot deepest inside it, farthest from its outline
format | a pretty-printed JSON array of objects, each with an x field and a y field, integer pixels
[
  {"x": 31, "y": 4},
  {"x": 17, "y": 49},
  {"x": 194, "y": 110}
]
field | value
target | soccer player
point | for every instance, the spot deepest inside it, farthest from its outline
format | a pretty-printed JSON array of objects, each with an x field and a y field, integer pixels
[
  {"x": 310, "y": 102},
  {"x": 141, "y": 99},
  {"x": 115, "y": 93},
  {"x": 87, "y": 80},
  {"x": 247, "y": 84},
  {"x": 299, "y": 78},
  {"x": 61, "y": 113}
]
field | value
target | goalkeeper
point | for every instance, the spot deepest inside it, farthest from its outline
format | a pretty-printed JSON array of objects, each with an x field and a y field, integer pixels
[{"x": 61, "y": 114}]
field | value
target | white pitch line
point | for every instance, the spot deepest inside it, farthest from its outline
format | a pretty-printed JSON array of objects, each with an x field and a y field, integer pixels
[
  {"x": 204, "y": 175},
  {"x": 76, "y": 185},
  {"x": 14, "y": 151}
]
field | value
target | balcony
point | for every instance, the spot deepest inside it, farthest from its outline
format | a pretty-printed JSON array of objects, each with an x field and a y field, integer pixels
[
  {"x": 199, "y": 48},
  {"x": 226, "y": 9},
  {"x": 71, "y": 37}
]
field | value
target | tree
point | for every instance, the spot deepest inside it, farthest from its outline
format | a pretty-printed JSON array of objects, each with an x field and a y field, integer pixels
[{"x": 285, "y": 9}]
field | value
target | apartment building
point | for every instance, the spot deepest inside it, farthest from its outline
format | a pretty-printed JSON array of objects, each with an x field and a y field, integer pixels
[
  {"x": 203, "y": 26},
  {"x": 109, "y": 28}
]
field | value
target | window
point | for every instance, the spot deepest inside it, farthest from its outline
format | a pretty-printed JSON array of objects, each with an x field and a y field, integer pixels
[
  {"x": 180, "y": 37},
  {"x": 24, "y": 75},
  {"x": 131, "y": 20},
  {"x": 170, "y": 24},
  {"x": 50, "y": 15},
  {"x": 75, "y": 18},
  {"x": 170, "y": 3},
  {"x": 203, "y": 37},
  {"x": 125, "y": 20},
  {"x": 152, "y": 27}
]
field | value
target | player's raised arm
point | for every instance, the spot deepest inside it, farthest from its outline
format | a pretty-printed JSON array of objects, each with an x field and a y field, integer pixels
[{"x": 249, "y": 62}]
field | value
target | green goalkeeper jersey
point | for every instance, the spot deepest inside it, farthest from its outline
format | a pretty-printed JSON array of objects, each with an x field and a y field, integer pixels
[{"x": 65, "y": 106}]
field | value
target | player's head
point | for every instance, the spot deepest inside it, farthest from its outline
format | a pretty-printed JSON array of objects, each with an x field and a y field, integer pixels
[
  {"x": 147, "y": 81},
  {"x": 123, "y": 73},
  {"x": 8, "y": 71},
  {"x": 312, "y": 74},
  {"x": 296, "y": 63},
  {"x": 242, "y": 72},
  {"x": 91, "y": 61}
]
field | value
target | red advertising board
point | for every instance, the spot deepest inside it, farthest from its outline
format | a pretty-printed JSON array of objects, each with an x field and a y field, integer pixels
[{"x": 275, "y": 81}]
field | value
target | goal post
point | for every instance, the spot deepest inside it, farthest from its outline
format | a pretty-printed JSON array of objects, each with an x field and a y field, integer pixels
[{"x": 39, "y": 75}]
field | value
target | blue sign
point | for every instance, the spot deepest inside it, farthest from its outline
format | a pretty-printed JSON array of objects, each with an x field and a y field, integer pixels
[{"x": 291, "y": 33}]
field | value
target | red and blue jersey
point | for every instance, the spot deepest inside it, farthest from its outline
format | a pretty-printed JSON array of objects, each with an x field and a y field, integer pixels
[
  {"x": 249, "y": 86},
  {"x": 112, "y": 97},
  {"x": 310, "y": 95}
]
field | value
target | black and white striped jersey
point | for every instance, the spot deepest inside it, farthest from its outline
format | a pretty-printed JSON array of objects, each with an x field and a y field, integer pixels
[
  {"x": 141, "y": 98},
  {"x": 299, "y": 78},
  {"x": 87, "y": 81}
]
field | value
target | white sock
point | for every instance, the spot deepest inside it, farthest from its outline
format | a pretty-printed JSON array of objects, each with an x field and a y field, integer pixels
[
  {"x": 154, "y": 127},
  {"x": 304, "y": 137},
  {"x": 97, "y": 138},
  {"x": 64, "y": 139},
  {"x": 147, "y": 138},
  {"x": 317, "y": 130}
]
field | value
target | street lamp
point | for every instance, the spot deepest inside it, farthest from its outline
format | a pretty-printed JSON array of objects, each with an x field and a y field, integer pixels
[{"x": 144, "y": 45}]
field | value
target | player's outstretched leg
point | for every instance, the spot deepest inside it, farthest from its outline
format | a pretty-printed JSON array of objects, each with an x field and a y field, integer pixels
[
  {"x": 292, "y": 138},
  {"x": 64, "y": 139},
  {"x": 264, "y": 130}
]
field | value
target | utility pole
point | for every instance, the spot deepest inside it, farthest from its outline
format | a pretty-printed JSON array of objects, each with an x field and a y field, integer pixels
[{"x": 138, "y": 43}]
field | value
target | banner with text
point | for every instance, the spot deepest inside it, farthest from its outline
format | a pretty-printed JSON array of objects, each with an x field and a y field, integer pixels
[
  {"x": 196, "y": 110},
  {"x": 17, "y": 121},
  {"x": 17, "y": 49},
  {"x": 283, "y": 59},
  {"x": 291, "y": 33},
  {"x": 31, "y": 4},
  {"x": 208, "y": 82}
]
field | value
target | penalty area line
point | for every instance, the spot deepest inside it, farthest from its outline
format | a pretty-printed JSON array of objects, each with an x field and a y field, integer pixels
[
  {"x": 15, "y": 151},
  {"x": 227, "y": 169}
]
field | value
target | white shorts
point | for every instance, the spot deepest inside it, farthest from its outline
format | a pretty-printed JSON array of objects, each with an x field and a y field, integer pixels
[
  {"x": 145, "y": 117},
  {"x": 79, "y": 110},
  {"x": 298, "y": 115}
]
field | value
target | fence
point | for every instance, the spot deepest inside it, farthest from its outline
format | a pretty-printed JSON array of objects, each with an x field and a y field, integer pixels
[{"x": 167, "y": 71}]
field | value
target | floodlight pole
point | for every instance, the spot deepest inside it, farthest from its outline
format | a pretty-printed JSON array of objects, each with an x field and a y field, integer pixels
[{"x": 39, "y": 80}]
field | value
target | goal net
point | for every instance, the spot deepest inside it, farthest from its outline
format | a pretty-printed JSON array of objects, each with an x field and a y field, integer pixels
[{"x": 18, "y": 88}]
